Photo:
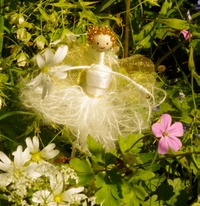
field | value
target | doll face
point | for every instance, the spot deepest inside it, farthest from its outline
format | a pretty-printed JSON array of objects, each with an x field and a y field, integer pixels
[{"x": 102, "y": 42}]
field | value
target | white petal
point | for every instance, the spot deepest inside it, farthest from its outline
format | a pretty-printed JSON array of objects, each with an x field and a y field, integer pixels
[
  {"x": 40, "y": 61},
  {"x": 33, "y": 145},
  {"x": 48, "y": 152},
  {"x": 31, "y": 171},
  {"x": 29, "y": 144},
  {"x": 47, "y": 86},
  {"x": 49, "y": 56},
  {"x": 5, "y": 167},
  {"x": 36, "y": 81},
  {"x": 20, "y": 158},
  {"x": 57, "y": 188},
  {"x": 4, "y": 158},
  {"x": 6, "y": 179},
  {"x": 36, "y": 144},
  {"x": 50, "y": 155},
  {"x": 17, "y": 156},
  {"x": 60, "y": 54},
  {"x": 49, "y": 147},
  {"x": 40, "y": 196},
  {"x": 72, "y": 193}
]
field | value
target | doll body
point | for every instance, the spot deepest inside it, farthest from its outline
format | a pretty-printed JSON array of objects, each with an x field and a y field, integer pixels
[{"x": 108, "y": 104}]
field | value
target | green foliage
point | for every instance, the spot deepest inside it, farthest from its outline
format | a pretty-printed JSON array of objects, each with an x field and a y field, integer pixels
[
  {"x": 83, "y": 169},
  {"x": 132, "y": 174}
]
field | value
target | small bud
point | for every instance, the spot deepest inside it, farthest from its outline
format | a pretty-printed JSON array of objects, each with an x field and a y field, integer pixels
[
  {"x": 14, "y": 18},
  {"x": 23, "y": 35},
  {"x": 40, "y": 42},
  {"x": 181, "y": 96},
  {"x": 21, "y": 19},
  {"x": 22, "y": 59}
]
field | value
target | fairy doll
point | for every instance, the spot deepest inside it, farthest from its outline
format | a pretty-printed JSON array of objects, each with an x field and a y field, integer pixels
[{"x": 93, "y": 99}]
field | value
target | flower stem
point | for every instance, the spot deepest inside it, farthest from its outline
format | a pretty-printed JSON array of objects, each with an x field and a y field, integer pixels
[
  {"x": 1, "y": 25},
  {"x": 128, "y": 5}
]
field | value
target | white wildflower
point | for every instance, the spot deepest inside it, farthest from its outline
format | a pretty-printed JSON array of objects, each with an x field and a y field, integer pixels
[
  {"x": 15, "y": 169},
  {"x": 48, "y": 63},
  {"x": 69, "y": 175},
  {"x": 46, "y": 153},
  {"x": 58, "y": 196},
  {"x": 42, "y": 197}
]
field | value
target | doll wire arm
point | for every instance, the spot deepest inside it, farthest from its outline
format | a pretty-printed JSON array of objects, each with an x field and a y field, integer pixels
[
  {"x": 116, "y": 73},
  {"x": 139, "y": 86}
]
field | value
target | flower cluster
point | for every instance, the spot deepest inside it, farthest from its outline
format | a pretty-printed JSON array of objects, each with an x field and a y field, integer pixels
[{"x": 29, "y": 179}]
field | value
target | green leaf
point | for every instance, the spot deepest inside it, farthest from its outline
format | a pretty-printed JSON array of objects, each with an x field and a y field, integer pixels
[
  {"x": 108, "y": 195},
  {"x": 178, "y": 24},
  {"x": 43, "y": 13},
  {"x": 154, "y": 183},
  {"x": 152, "y": 201},
  {"x": 153, "y": 2},
  {"x": 95, "y": 148},
  {"x": 165, "y": 7},
  {"x": 63, "y": 3},
  {"x": 105, "y": 4},
  {"x": 141, "y": 174},
  {"x": 145, "y": 32},
  {"x": 165, "y": 108},
  {"x": 132, "y": 194},
  {"x": 131, "y": 143},
  {"x": 83, "y": 169},
  {"x": 140, "y": 191},
  {"x": 178, "y": 186}
]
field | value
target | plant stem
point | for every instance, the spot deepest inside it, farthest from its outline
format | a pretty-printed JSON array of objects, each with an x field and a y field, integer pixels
[
  {"x": 1, "y": 25},
  {"x": 128, "y": 5}
]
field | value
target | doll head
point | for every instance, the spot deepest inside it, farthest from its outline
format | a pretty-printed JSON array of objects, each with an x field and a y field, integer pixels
[{"x": 101, "y": 38}]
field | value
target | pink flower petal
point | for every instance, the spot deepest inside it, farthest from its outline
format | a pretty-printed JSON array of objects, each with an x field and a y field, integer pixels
[
  {"x": 157, "y": 129},
  {"x": 176, "y": 129},
  {"x": 186, "y": 34},
  {"x": 166, "y": 121},
  {"x": 174, "y": 143},
  {"x": 163, "y": 146}
]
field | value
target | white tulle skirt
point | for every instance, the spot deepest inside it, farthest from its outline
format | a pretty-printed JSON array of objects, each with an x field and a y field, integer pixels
[{"x": 116, "y": 112}]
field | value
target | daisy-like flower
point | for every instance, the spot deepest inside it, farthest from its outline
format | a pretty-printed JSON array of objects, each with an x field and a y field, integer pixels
[
  {"x": 168, "y": 134},
  {"x": 49, "y": 62},
  {"x": 13, "y": 169},
  {"x": 57, "y": 196},
  {"x": 46, "y": 153},
  {"x": 61, "y": 197},
  {"x": 42, "y": 197}
]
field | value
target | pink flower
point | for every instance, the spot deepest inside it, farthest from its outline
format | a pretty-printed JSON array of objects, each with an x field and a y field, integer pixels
[
  {"x": 168, "y": 134},
  {"x": 186, "y": 34}
]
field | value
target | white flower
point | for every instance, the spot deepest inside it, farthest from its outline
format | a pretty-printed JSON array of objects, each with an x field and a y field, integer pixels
[
  {"x": 13, "y": 170},
  {"x": 46, "y": 153},
  {"x": 48, "y": 63},
  {"x": 42, "y": 197},
  {"x": 57, "y": 196},
  {"x": 72, "y": 195}
]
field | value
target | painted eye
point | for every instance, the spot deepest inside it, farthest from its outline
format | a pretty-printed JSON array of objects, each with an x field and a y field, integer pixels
[
  {"x": 107, "y": 43},
  {"x": 97, "y": 43}
]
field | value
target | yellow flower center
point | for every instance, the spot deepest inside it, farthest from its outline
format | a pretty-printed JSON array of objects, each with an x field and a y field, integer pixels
[
  {"x": 57, "y": 199},
  {"x": 36, "y": 157},
  {"x": 165, "y": 133},
  {"x": 45, "y": 69}
]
